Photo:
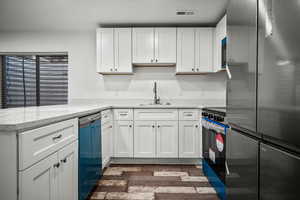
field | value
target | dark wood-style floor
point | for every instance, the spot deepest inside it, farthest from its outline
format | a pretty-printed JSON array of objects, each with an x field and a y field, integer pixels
[{"x": 154, "y": 182}]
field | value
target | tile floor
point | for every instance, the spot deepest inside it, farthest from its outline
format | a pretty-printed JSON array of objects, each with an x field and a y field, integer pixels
[{"x": 154, "y": 182}]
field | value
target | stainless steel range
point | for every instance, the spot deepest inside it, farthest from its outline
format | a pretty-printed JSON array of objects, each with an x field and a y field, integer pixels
[{"x": 214, "y": 130}]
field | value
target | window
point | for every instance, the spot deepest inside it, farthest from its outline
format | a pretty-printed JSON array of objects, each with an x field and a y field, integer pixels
[{"x": 34, "y": 80}]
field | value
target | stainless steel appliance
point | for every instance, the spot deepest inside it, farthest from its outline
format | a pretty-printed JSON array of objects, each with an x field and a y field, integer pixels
[
  {"x": 90, "y": 160},
  {"x": 223, "y": 54},
  {"x": 214, "y": 131},
  {"x": 279, "y": 98},
  {"x": 263, "y": 99},
  {"x": 242, "y": 142}
]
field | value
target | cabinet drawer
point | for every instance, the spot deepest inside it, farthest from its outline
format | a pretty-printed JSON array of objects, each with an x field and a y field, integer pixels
[
  {"x": 188, "y": 114},
  {"x": 155, "y": 114},
  {"x": 106, "y": 116},
  {"x": 36, "y": 144},
  {"x": 123, "y": 114}
]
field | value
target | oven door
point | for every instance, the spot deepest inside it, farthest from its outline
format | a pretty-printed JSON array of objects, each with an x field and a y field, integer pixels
[{"x": 214, "y": 148}]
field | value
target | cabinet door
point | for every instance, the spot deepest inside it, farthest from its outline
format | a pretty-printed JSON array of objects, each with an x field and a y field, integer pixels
[
  {"x": 165, "y": 45},
  {"x": 220, "y": 34},
  {"x": 68, "y": 172},
  {"x": 111, "y": 142},
  {"x": 167, "y": 139},
  {"x": 144, "y": 139},
  {"x": 123, "y": 139},
  {"x": 104, "y": 145},
  {"x": 105, "y": 50},
  {"x": 189, "y": 139},
  {"x": 40, "y": 181},
  {"x": 143, "y": 45},
  {"x": 185, "y": 50},
  {"x": 204, "y": 50},
  {"x": 122, "y": 50}
]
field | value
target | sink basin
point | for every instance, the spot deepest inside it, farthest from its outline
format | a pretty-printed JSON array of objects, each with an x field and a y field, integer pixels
[{"x": 152, "y": 104}]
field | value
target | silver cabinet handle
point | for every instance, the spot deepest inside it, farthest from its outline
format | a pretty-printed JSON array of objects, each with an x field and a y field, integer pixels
[
  {"x": 130, "y": 126},
  {"x": 196, "y": 126},
  {"x": 64, "y": 160},
  {"x": 111, "y": 69},
  {"x": 158, "y": 126},
  {"x": 57, "y": 137},
  {"x": 197, "y": 69},
  {"x": 56, "y": 165},
  {"x": 193, "y": 69},
  {"x": 156, "y": 60},
  {"x": 153, "y": 126}
]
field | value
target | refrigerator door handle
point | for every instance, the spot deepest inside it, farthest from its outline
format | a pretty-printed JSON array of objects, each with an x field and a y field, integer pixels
[
  {"x": 227, "y": 169},
  {"x": 267, "y": 8},
  {"x": 228, "y": 72}
]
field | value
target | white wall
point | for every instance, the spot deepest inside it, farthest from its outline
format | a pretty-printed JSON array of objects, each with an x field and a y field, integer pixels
[{"x": 85, "y": 83}]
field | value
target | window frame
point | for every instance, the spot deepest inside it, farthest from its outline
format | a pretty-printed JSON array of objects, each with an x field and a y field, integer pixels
[{"x": 37, "y": 69}]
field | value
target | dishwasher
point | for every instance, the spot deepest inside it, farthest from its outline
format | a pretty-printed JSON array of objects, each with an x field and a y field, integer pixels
[{"x": 90, "y": 160}]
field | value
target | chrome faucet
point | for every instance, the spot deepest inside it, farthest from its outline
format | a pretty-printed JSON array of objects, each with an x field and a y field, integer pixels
[{"x": 156, "y": 99}]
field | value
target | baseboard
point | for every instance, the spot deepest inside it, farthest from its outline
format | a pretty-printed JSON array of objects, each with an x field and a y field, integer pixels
[{"x": 157, "y": 161}]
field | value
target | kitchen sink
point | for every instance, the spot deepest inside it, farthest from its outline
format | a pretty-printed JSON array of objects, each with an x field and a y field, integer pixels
[{"x": 152, "y": 104}]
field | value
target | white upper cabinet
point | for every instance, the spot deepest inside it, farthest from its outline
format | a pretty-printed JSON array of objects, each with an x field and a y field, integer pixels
[
  {"x": 165, "y": 45},
  {"x": 220, "y": 34},
  {"x": 204, "y": 50},
  {"x": 105, "y": 50},
  {"x": 194, "y": 50},
  {"x": 122, "y": 42},
  {"x": 154, "y": 45},
  {"x": 186, "y": 50},
  {"x": 143, "y": 45},
  {"x": 114, "y": 50}
]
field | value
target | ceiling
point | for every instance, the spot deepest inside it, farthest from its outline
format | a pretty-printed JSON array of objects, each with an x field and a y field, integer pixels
[{"x": 68, "y": 15}]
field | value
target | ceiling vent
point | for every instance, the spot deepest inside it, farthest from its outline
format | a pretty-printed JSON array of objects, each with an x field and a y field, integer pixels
[{"x": 185, "y": 12}]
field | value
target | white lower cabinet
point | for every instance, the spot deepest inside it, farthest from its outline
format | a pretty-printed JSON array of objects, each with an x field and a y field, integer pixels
[
  {"x": 145, "y": 139},
  {"x": 67, "y": 172},
  {"x": 123, "y": 139},
  {"x": 159, "y": 133},
  {"x": 155, "y": 139},
  {"x": 53, "y": 178},
  {"x": 107, "y": 144},
  {"x": 190, "y": 145},
  {"x": 167, "y": 139},
  {"x": 40, "y": 181}
]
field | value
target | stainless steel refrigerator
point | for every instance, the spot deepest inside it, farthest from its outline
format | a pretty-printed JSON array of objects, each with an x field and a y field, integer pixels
[
  {"x": 263, "y": 97},
  {"x": 279, "y": 98}
]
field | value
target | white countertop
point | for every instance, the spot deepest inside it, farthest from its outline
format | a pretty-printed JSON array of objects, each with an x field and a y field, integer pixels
[{"x": 22, "y": 119}]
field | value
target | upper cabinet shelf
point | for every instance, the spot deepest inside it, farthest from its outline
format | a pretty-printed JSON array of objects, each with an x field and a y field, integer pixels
[{"x": 195, "y": 50}]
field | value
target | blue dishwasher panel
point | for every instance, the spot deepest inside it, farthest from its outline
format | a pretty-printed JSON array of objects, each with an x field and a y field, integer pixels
[{"x": 90, "y": 162}]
